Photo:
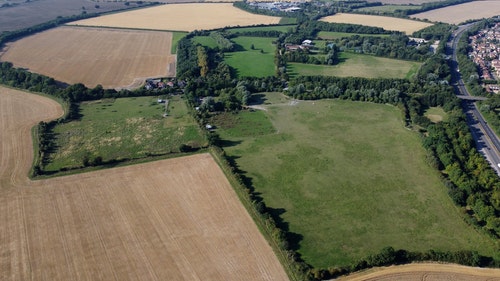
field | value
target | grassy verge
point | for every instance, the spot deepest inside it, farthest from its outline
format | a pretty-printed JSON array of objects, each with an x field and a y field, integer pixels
[
  {"x": 123, "y": 129},
  {"x": 347, "y": 179},
  {"x": 176, "y": 36},
  {"x": 258, "y": 62},
  {"x": 358, "y": 65}
]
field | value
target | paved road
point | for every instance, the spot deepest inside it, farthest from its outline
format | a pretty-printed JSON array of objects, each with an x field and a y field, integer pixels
[{"x": 487, "y": 141}]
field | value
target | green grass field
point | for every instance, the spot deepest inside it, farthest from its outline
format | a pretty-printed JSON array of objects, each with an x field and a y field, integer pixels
[
  {"x": 436, "y": 114},
  {"x": 347, "y": 178},
  {"x": 177, "y": 35},
  {"x": 126, "y": 128},
  {"x": 258, "y": 62},
  {"x": 205, "y": 41},
  {"x": 358, "y": 65},
  {"x": 282, "y": 28},
  {"x": 329, "y": 35}
]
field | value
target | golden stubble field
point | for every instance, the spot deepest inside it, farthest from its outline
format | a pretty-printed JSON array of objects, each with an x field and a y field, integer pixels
[
  {"x": 460, "y": 13},
  {"x": 181, "y": 17},
  {"x": 176, "y": 219},
  {"x": 387, "y": 23},
  {"x": 427, "y": 272},
  {"x": 110, "y": 57}
]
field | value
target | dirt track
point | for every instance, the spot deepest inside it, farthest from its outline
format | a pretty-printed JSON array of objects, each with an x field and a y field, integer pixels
[
  {"x": 426, "y": 271},
  {"x": 176, "y": 219}
]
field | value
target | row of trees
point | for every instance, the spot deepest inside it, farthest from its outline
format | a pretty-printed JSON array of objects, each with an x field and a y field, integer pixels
[
  {"x": 224, "y": 44},
  {"x": 393, "y": 46}
]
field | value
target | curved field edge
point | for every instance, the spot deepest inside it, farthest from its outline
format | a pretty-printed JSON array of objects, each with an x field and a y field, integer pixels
[
  {"x": 423, "y": 271},
  {"x": 83, "y": 226}
]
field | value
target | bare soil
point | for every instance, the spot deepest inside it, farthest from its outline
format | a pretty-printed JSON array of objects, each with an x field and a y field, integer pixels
[
  {"x": 176, "y": 219},
  {"x": 110, "y": 57},
  {"x": 426, "y": 271}
]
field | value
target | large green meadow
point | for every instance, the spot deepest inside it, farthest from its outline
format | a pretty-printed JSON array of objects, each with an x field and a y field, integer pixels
[
  {"x": 257, "y": 61},
  {"x": 358, "y": 65},
  {"x": 347, "y": 178},
  {"x": 125, "y": 128}
]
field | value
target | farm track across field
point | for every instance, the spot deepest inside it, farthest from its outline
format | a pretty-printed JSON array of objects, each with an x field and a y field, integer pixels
[
  {"x": 92, "y": 56},
  {"x": 175, "y": 219}
]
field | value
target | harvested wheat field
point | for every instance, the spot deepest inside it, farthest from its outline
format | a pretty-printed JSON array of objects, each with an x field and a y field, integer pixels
[
  {"x": 460, "y": 13},
  {"x": 426, "y": 271},
  {"x": 173, "y": 17},
  {"x": 92, "y": 56},
  {"x": 387, "y": 23},
  {"x": 176, "y": 219}
]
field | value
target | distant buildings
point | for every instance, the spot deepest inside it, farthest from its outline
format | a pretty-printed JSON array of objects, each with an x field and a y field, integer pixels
[{"x": 486, "y": 54}]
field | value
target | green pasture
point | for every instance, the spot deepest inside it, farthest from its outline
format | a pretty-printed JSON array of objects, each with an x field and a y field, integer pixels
[
  {"x": 436, "y": 114},
  {"x": 125, "y": 128},
  {"x": 205, "y": 41},
  {"x": 282, "y": 28},
  {"x": 347, "y": 178},
  {"x": 177, "y": 35},
  {"x": 358, "y": 65},
  {"x": 330, "y": 35},
  {"x": 258, "y": 62},
  {"x": 389, "y": 8}
]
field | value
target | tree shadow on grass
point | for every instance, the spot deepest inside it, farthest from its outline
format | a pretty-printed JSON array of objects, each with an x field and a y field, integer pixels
[
  {"x": 293, "y": 239},
  {"x": 257, "y": 99},
  {"x": 228, "y": 143}
]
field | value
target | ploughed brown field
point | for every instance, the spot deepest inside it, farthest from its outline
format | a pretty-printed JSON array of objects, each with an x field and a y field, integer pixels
[
  {"x": 460, "y": 13},
  {"x": 426, "y": 271},
  {"x": 176, "y": 219},
  {"x": 92, "y": 56}
]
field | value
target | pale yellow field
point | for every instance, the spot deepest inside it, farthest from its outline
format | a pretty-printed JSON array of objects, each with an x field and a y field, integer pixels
[
  {"x": 463, "y": 12},
  {"x": 176, "y": 219},
  {"x": 181, "y": 17},
  {"x": 112, "y": 58},
  {"x": 387, "y": 23},
  {"x": 426, "y": 271}
]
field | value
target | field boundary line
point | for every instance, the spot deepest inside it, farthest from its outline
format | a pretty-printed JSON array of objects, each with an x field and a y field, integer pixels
[{"x": 264, "y": 228}]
